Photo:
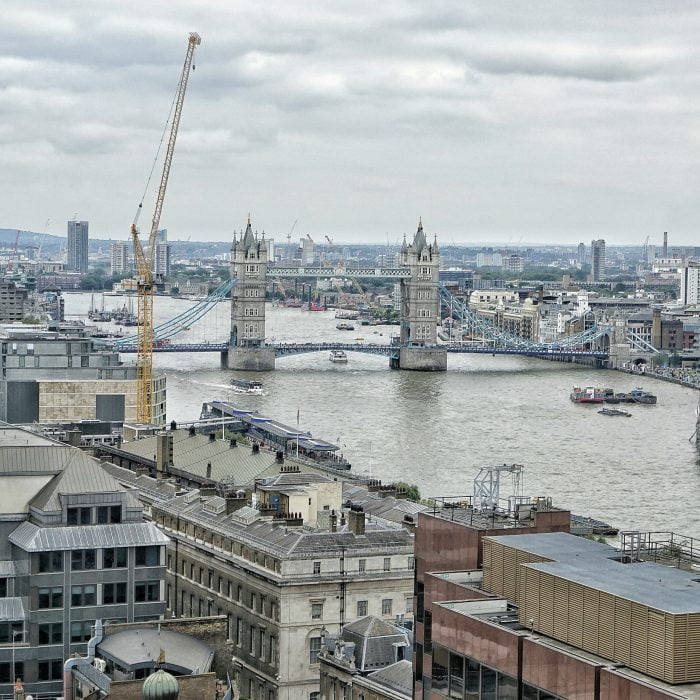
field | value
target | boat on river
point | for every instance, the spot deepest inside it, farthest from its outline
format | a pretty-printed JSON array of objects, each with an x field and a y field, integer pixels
[
  {"x": 614, "y": 412},
  {"x": 587, "y": 394},
  {"x": 640, "y": 396},
  {"x": 338, "y": 356},
  {"x": 247, "y": 386},
  {"x": 345, "y": 326}
]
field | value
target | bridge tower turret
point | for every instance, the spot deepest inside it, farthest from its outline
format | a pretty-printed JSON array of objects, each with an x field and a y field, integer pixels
[
  {"x": 420, "y": 306},
  {"x": 249, "y": 259}
]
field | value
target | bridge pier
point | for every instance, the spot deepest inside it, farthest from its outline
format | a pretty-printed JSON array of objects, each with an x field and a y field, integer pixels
[
  {"x": 250, "y": 359},
  {"x": 420, "y": 359}
]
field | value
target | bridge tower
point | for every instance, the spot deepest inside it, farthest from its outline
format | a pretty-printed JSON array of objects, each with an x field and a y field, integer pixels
[
  {"x": 420, "y": 306},
  {"x": 247, "y": 349}
]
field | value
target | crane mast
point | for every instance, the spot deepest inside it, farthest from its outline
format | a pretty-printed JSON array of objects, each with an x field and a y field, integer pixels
[{"x": 143, "y": 259}]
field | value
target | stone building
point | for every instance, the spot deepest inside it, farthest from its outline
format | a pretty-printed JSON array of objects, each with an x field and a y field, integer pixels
[
  {"x": 64, "y": 375},
  {"x": 295, "y": 566},
  {"x": 74, "y": 548}
]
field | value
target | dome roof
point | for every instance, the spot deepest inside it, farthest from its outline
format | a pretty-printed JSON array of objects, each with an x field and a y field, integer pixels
[{"x": 160, "y": 686}]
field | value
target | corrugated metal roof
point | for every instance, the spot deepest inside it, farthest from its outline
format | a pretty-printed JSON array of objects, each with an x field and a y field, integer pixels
[
  {"x": 31, "y": 538},
  {"x": 34, "y": 459},
  {"x": 11, "y": 609},
  {"x": 397, "y": 676}
]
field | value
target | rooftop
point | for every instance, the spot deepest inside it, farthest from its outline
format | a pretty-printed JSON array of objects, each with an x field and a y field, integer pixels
[{"x": 599, "y": 566}]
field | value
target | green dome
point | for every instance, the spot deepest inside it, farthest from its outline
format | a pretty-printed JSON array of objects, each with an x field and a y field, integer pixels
[{"x": 160, "y": 686}]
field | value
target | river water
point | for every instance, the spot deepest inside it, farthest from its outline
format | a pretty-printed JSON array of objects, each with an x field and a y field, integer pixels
[{"x": 436, "y": 430}]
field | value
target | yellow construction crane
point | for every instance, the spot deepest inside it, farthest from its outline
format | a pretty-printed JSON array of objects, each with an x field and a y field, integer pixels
[{"x": 143, "y": 259}]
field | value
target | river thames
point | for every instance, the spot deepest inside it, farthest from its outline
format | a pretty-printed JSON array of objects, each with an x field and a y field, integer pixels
[{"x": 436, "y": 430}]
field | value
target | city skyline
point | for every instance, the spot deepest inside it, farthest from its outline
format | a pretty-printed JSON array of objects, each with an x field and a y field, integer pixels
[{"x": 509, "y": 124}]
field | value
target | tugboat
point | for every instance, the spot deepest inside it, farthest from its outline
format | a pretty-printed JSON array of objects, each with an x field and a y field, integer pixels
[
  {"x": 338, "y": 356},
  {"x": 588, "y": 395},
  {"x": 640, "y": 396},
  {"x": 247, "y": 386}
]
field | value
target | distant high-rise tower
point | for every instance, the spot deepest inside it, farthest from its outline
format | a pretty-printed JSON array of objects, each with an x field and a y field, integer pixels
[
  {"x": 581, "y": 253},
  {"x": 162, "y": 235},
  {"x": 598, "y": 259},
  {"x": 664, "y": 253},
  {"x": 161, "y": 259},
  {"x": 77, "y": 255},
  {"x": 119, "y": 258}
]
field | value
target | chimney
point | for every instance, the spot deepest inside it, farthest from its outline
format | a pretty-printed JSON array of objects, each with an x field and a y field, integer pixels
[
  {"x": 232, "y": 443},
  {"x": 192, "y": 431},
  {"x": 664, "y": 254},
  {"x": 279, "y": 457},
  {"x": 409, "y": 524},
  {"x": 212, "y": 437},
  {"x": 164, "y": 453},
  {"x": 207, "y": 489},
  {"x": 656, "y": 324},
  {"x": 256, "y": 448},
  {"x": 73, "y": 438},
  {"x": 356, "y": 520},
  {"x": 235, "y": 502},
  {"x": 173, "y": 425},
  {"x": 334, "y": 522},
  {"x": 208, "y": 470}
]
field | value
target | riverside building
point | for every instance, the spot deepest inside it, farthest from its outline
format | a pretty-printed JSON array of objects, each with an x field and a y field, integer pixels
[
  {"x": 511, "y": 605},
  {"x": 74, "y": 548},
  {"x": 63, "y": 375},
  {"x": 286, "y": 562}
]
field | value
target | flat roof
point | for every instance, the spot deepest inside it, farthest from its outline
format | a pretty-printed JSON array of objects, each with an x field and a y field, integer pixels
[{"x": 598, "y": 566}]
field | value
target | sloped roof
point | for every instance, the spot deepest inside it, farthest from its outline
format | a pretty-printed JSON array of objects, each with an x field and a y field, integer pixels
[
  {"x": 371, "y": 626},
  {"x": 397, "y": 676},
  {"x": 81, "y": 475},
  {"x": 31, "y": 538},
  {"x": 34, "y": 458},
  {"x": 374, "y": 642}
]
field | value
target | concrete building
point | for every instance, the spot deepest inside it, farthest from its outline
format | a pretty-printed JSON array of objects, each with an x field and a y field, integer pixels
[
  {"x": 249, "y": 266},
  {"x": 286, "y": 564},
  {"x": 77, "y": 247},
  {"x": 489, "y": 259},
  {"x": 581, "y": 253},
  {"x": 64, "y": 375},
  {"x": 513, "y": 263},
  {"x": 598, "y": 259},
  {"x": 15, "y": 301},
  {"x": 690, "y": 283},
  {"x": 74, "y": 549},
  {"x": 120, "y": 264},
  {"x": 370, "y": 658},
  {"x": 161, "y": 260}
]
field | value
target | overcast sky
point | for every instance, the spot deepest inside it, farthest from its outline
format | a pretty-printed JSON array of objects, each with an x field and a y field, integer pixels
[{"x": 495, "y": 121}]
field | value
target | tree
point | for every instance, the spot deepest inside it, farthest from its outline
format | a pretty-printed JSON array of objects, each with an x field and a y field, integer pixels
[{"x": 411, "y": 490}]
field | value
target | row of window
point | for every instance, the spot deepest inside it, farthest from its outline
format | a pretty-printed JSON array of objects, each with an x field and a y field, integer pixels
[
  {"x": 251, "y": 293},
  {"x": 86, "y": 559},
  {"x": 94, "y": 515},
  {"x": 247, "y": 311},
  {"x": 86, "y": 594}
]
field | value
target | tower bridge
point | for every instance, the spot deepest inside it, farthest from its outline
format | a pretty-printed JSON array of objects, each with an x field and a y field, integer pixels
[{"x": 416, "y": 347}]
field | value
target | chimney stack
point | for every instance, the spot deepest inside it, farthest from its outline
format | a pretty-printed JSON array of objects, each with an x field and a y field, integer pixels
[
  {"x": 233, "y": 443},
  {"x": 665, "y": 250},
  {"x": 256, "y": 448},
  {"x": 334, "y": 521},
  {"x": 192, "y": 431},
  {"x": 212, "y": 437},
  {"x": 279, "y": 457},
  {"x": 208, "y": 470},
  {"x": 164, "y": 453},
  {"x": 356, "y": 520}
]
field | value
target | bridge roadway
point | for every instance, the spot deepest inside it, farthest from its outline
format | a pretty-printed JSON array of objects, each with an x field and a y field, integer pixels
[{"x": 288, "y": 349}]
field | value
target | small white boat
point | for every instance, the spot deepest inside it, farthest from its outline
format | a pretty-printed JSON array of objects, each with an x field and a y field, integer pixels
[
  {"x": 345, "y": 326},
  {"x": 247, "y": 386},
  {"x": 338, "y": 356}
]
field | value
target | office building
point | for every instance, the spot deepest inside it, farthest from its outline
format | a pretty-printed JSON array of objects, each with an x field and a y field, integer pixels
[
  {"x": 75, "y": 549},
  {"x": 285, "y": 560},
  {"x": 513, "y": 263},
  {"x": 489, "y": 259},
  {"x": 598, "y": 260},
  {"x": 120, "y": 262},
  {"x": 161, "y": 259},
  {"x": 64, "y": 375},
  {"x": 581, "y": 253},
  {"x": 651, "y": 254},
  {"x": 690, "y": 283},
  {"x": 77, "y": 247},
  {"x": 15, "y": 301}
]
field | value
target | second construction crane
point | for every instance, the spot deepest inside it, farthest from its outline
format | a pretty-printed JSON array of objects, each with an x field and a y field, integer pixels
[{"x": 143, "y": 258}]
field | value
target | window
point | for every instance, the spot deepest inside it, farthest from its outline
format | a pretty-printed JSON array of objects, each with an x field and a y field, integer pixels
[
  {"x": 440, "y": 667},
  {"x": 113, "y": 593},
  {"x": 50, "y": 561},
  {"x": 51, "y": 670},
  {"x": 5, "y": 672},
  {"x": 10, "y": 631},
  {"x": 411, "y": 563},
  {"x": 251, "y": 641},
  {"x": 386, "y": 606},
  {"x": 316, "y": 611},
  {"x": 409, "y": 604},
  {"x": 147, "y": 556},
  {"x": 82, "y": 559},
  {"x": 239, "y": 624},
  {"x": 314, "y": 648},
  {"x": 317, "y": 567},
  {"x": 253, "y": 599},
  {"x": 147, "y": 591},
  {"x": 109, "y": 514},
  {"x": 51, "y": 633},
  {"x": 456, "y": 676},
  {"x": 273, "y": 650},
  {"x": 83, "y": 595},
  {"x": 115, "y": 558},
  {"x": 81, "y": 631},
  {"x": 387, "y": 563},
  {"x": 51, "y": 597},
  {"x": 79, "y": 516},
  {"x": 361, "y": 608},
  {"x": 362, "y": 565}
]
